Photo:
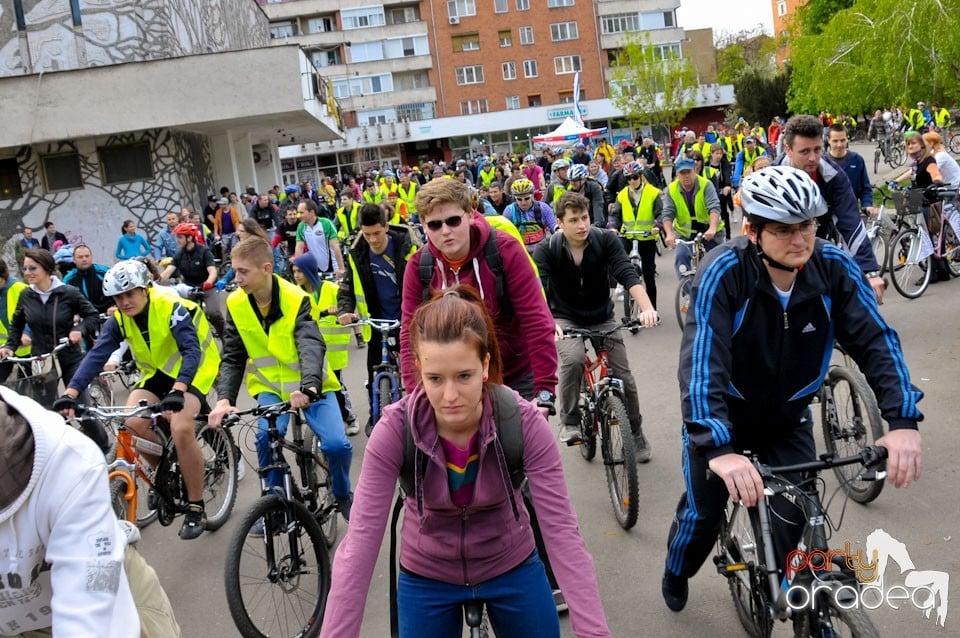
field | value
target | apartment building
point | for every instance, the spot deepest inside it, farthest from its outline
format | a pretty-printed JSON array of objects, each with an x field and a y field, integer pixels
[
  {"x": 783, "y": 12},
  {"x": 441, "y": 79}
]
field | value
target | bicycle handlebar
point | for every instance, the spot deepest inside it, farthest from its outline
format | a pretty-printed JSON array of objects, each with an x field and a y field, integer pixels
[
  {"x": 697, "y": 239},
  {"x": 586, "y": 333},
  {"x": 381, "y": 325},
  {"x": 118, "y": 411},
  {"x": 63, "y": 343},
  {"x": 869, "y": 457},
  {"x": 271, "y": 410}
]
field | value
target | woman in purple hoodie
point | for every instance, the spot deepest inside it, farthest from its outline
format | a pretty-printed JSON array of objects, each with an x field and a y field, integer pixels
[{"x": 463, "y": 536}]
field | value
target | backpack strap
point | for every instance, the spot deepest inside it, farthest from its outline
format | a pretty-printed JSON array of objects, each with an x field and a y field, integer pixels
[
  {"x": 491, "y": 253},
  {"x": 509, "y": 431},
  {"x": 425, "y": 271},
  {"x": 538, "y": 213}
]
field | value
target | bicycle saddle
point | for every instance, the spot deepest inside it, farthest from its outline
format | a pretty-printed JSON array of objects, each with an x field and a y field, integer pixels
[{"x": 473, "y": 612}]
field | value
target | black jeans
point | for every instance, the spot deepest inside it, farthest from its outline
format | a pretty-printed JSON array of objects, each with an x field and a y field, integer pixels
[
  {"x": 648, "y": 259},
  {"x": 374, "y": 355}
]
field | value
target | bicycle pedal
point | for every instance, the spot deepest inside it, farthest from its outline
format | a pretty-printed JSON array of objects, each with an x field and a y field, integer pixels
[
  {"x": 574, "y": 442},
  {"x": 726, "y": 569}
]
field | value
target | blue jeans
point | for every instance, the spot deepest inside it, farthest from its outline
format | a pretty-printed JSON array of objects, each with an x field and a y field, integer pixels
[
  {"x": 323, "y": 417},
  {"x": 681, "y": 262},
  {"x": 519, "y": 604}
]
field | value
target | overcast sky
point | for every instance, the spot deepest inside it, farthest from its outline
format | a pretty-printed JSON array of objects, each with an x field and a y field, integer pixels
[{"x": 725, "y": 15}]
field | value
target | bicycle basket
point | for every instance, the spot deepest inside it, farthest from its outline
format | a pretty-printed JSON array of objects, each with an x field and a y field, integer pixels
[
  {"x": 39, "y": 385},
  {"x": 908, "y": 202}
]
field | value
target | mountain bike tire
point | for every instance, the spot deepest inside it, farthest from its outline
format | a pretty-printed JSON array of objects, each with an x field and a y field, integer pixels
[
  {"x": 588, "y": 433},
  {"x": 741, "y": 543},
  {"x": 910, "y": 276},
  {"x": 620, "y": 461},
  {"x": 681, "y": 303},
  {"x": 319, "y": 477},
  {"x": 831, "y": 619},
  {"x": 219, "y": 474}
]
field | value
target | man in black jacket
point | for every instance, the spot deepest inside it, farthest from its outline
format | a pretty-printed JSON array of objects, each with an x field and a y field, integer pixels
[
  {"x": 570, "y": 265},
  {"x": 50, "y": 236},
  {"x": 373, "y": 281}
]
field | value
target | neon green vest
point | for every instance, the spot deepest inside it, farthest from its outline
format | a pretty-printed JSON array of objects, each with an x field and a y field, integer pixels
[
  {"x": 348, "y": 226},
  {"x": 274, "y": 363},
  {"x": 486, "y": 176},
  {"x": 13, "y": 298},
  {"x": 641, "y": 220},
  {"x": 162, "y": 354},
  {"x": 683, "y": 222},
  {"x": 336, "y": 336},
  {"x": 409, "y": 197}
]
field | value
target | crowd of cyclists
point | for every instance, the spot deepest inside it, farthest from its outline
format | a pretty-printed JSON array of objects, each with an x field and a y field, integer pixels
[{"x": 486, "y": 262}]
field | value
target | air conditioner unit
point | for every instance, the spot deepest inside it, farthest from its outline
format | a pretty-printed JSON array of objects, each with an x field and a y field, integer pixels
[{"x": 454, "y": 19}]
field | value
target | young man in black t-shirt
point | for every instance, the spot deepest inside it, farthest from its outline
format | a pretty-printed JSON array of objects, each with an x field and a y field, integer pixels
[{"x": 194, "y": 263}]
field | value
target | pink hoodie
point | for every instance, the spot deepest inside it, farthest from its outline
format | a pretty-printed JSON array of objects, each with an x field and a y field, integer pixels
[
  {"x": 525, "y": 335},
  {"x": 495, "y": 538}
]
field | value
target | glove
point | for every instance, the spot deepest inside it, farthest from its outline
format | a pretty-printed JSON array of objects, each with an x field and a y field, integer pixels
[
  {"x": 173, "y": 402},
  {"x": 892, "y": 185},
  {"x": 219, "y": 286},
  {"x": 206, "y": 286},
  {"x": 65, "y": 403}
]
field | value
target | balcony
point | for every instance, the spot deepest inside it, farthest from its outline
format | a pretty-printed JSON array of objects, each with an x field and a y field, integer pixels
[
  {"x": 656, "y": 36},
  {"x": 610, "y": 7},
  {"x": 389, "y": 99}
]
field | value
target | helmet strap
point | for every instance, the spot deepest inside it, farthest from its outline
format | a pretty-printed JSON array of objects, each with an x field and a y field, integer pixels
[{"x": 769, "y": 260}]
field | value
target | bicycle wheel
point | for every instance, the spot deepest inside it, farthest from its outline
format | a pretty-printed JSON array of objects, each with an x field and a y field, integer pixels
[
  {"x": 277, "y": 584},
  {"x": 118, "y": 488},
  {"x": 911, "y": 275},
  {"x": 951, "y": 250},
  {"x": 219, "y": 474},
  {"x": 145, "y": 515},
  {"x": 740, "y": 545},
  {"x": 830, "y": 618},
  {"x": 954, "y": 144},
  {"x": 682, "y": 301},
  {"x": 588, "y": 434},
  {"x": 99, "y": 392},
  {"x": 320, "y": 485},
  {"x": 851, "y": 421},
  {"x": 876, "y": 160},
  {"x": 896, "y": 157},
  {"x": 879, "y": 243},
  {"x": 384, "y": 397},
  {"x": 619, "y": 460}
]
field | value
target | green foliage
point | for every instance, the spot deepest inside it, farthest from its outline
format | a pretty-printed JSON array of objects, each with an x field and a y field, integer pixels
[
  {"x": 747, "y": 50},
  {"x": 649, "y": 89},
  {"x": 878, "y": 52},
  {"x": 815, "y": 14},
  {"x": 760, "y": 96}
]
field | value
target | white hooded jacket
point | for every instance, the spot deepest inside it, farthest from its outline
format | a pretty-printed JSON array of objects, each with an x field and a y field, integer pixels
[{"x": 61, "y": 550}]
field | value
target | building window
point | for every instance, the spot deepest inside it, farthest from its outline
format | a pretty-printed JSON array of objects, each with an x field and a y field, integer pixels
[
  {"x": 523, "y": 5},
  {"x": 534, "y": 100},
  {"x": 402, "y": 15},
  {"x": 283, "y": 30},
  {"x": 513, "y": 102},
  {"x": 461, "y": 8},
  {"x": 472, "y": 107},
  {"x": 468, "y": 42},
  {"x": 657, "y": 20},
  {"x": 560, "y": 31},
  {"x": 322, "y": 59},
  {"x": 470, "y": 74},
  {"x": 620, "y": 23},
  {"x": 526, "y": 35},
  {"x": 506, "y": 38},
  {"x": 10, "y": 179},
  {"x": 363, "y": 17},
  {"x": 362, "y": 85},
  {"x": 509, "y": 70},
  {"x": 499, "y": 6},
  {"x": 668, "y": 51},
  {"x": 529, "y": 68},
  {"x": 396, "y": 48},
  {"x": 564, "y": 64},
  {"x": 554, "y": 4},
  {"x": 566, "y": 97},
  {"x": 319, "y": 25},
  {"x": 127, "y": 163},
  {"x": 782, "y": 8},
  {"x": 61, "y": 172}
]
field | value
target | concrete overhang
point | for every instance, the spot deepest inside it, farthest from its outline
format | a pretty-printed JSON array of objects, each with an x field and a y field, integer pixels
[{"x": 270, "y": 92}]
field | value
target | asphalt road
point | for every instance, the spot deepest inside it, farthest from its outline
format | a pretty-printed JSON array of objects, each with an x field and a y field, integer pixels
[{"x": 924, "y": 517}]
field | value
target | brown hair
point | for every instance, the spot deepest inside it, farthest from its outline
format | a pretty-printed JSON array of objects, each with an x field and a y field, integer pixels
[
  {"x": 916, "y": 137},
  {"x": 570, "y": 200},
  {"x": 254, "y": 229},
  {"x": 443, "y": 191},
  {"x": 458, "y": 315},
  {"x": 43, "y": 258},
  {"x": 253, "y": 249}
]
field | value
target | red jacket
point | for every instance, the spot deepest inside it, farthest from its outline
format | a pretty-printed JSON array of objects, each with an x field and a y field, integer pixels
[{"x": 525, "y": 336}]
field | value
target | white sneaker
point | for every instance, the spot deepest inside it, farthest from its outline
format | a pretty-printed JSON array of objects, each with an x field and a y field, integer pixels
[
  {"x": 241, "y": 469},
  {"x": 352, "y": 427},
  {"x": 619, "y": 292}
]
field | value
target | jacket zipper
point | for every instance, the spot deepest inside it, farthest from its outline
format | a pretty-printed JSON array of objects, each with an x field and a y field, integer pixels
[
  {"x": 786, "y": 324},
  {"x": 463, "y": 535}
]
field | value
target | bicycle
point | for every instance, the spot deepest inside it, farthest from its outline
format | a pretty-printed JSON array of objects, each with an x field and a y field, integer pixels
[
  {"x": 37, "y": 375},
  {"x": 102, "y": 388},
  {"x": 277, "y": 584},
  {"x": 630, "y": 309},
  {"x": 851, "y": 421},
  {"x": 387, "y": 386},
  {"x": 166, "y": 492},
  {"x": 892, "y": 150},
  {"x": 912, "y": 261},
  {"x": 603, "y": 416},
  {"x": 745, "y": 556},
  {"x": 685, "y": 287}
]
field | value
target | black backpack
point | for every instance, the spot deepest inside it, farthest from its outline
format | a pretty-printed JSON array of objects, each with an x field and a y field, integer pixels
[
  {"x": 506, "y": 414},
  {"x": 491, "y": 254}
]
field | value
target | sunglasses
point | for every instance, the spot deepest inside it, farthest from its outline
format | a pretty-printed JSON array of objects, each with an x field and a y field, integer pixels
[
  {"x": 452, "y": 222},
  {"x": 30, "y": 268},
  {"x": 633, "y": 178},
  {"x": 523, "y": 198}
]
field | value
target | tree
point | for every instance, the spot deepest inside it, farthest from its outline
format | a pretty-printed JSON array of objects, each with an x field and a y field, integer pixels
[
  {"x": 878, "y": 52},
  {"x": 761, "y": 96},
  {"x": 815, "y": 14},
  {"x": 651, "y": 84},
  {"x": 749, "y": 49}
]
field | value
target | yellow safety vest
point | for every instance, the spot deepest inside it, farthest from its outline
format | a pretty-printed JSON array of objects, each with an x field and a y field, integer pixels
[
  {"x": 941, "y": 118},
  {"x": 163, "y": 354},
  {"x": 683, "y": 222},
  {"x": 336, "y": 336},
  {"x": 409, "y": 197},
  {"x": 362, "y": 309},
  {"x": 383, "y": 189},
  {"x": 915, "y": 119},
  {"x": 13, "y": 298},
  {"x": 348, "y": 226},
  {"x": 640, "y": 220},
  {"x": 487, "y": 176},
  {"x": 748, "y": 158},
  {"x": 372, "y": 199},
  {"x": 274, "y": 362}
]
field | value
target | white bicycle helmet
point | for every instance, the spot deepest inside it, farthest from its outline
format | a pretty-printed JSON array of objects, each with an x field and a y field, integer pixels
[
  {"x": 125, "y": 276},
  {"x": 577, "y": 171},
  {"x": 529, "y": 158},
  {"x": 781, "y": 194},
  {"x": 560, "y": 163}
]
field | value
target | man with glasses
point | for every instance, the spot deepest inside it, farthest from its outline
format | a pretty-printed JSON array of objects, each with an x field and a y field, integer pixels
[
  {"x": 739, "y": 393},
  {"x": 691, "y": 206},
  {"x": 634, "y": 215},
  {"x": 581, "y": 183},
  {"x": 535, "y": 220}
]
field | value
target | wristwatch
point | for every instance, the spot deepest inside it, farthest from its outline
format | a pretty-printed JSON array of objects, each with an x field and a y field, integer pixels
[
  {"x": 872, "y": 274},
  {"x": 545, "y": 397}
]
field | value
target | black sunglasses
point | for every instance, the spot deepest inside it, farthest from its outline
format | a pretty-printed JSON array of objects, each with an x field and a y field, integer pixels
[{"x": 452, "y": 222}]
